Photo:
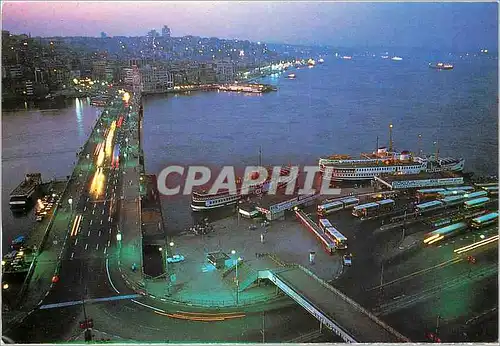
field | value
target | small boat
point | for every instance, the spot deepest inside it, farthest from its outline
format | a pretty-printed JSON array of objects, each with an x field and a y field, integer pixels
[
  {"x": 321, "y": 60},
  {"x": 291, "y": 76},
  {"x": 311, "y": 62},
  {"x": 441, "y": 66},
  {"x": 347, "y": 57},
  {"x": 396, "y": 58}
]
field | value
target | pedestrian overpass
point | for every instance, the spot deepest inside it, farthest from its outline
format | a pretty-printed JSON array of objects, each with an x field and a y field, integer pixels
[{"x": 331, "y": 307}]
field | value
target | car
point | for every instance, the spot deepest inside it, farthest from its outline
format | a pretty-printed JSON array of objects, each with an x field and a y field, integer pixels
[
  {"x": 347, "y": 260},
  {"x": 175, "y": 259}
]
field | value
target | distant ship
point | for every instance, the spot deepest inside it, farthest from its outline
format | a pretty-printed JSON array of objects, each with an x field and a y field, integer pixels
[
  {"x": 396, "y": 58},
  {"x": 386, "y": 161},
  {"x": 321, "y": 61},
  {"x": 311, "y": 62},
  {"x": 347, "y": 57},
  {"x": 291, "y": 76},
  {"x": 441, "y": 66}
]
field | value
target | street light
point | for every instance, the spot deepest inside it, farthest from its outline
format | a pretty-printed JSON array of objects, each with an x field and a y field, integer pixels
[
  {"x": 70, "y": 201},
  {"x": 5, "y": 286}
]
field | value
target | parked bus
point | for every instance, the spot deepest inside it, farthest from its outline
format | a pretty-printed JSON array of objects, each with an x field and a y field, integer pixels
[
  {"x": 452, "y": 200},
  {"x": 484, "y": 220},
  {"x": 364, "y": 210},
  {"x": 428, "y": 194},
  {"x": 445, "y": 232},
  {"x": 476, "y": 203},
  {"x": 324, "y": 224},
  {"x": 443, "y": 221},
  {"x": 460, "y": 188},
  {"x": 328, "y": 208},
  {"x": 339, "y": 239},
  {"x": 428, "y": 206},
  {"x": 448, "y": 193},
  {"x": 477, "y": 194},
  {"x": 491, "y": 190},
  {"x": 350, "y": 202},
  {"x": 386, "y": 205}
]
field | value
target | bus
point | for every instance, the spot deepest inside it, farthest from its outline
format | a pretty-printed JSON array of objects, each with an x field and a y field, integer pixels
[
  {"x": 115, "y": 160},
  {"x": 350, "y": 202},
  {"x": 325, "y": 209},
  {"x": 484, "y": 220},
  {"x": 428, "y": 206},
  {"x": 491, "y": 190},
  {"x": 452, "y": 200},
  {"x": 386, "y": 205},
  {"x": 460, "y": 188},
  {"x": 445, "y": 232},
  {"x": 451, "y": 193},
  {"x": 324, "y": 224},
  {"x": 364, "y": 210},
  {"x": 443, "y": 221},
  {"x": 476, "y": 194},
  {"x": 339, "y": 239},
  {"x": 427, "y": 194},
  {"x": 476, "y": 203}
]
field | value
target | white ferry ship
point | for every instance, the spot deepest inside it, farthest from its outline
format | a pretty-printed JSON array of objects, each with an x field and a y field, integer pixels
[
  {"x": 345, "y": 168},
  {"x": 203, "y": 200}
]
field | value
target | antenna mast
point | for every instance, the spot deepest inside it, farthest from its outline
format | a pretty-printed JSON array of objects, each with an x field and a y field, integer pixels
[
  {"x": 420, "y": 145},
  {"x": 376, "y": 148},
  {"x": 390, "y": 137},
  {"x": 260, "y": 156}
]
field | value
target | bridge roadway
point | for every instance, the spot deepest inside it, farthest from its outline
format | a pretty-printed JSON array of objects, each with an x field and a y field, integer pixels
[{"x": 332, "y": 308}]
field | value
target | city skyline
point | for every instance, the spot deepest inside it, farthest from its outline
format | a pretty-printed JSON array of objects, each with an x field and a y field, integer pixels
[{"x": 457, "y": 26}]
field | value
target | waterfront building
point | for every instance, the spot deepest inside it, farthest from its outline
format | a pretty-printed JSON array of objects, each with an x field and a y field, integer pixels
[
  {"x": 225, "y": 71},
  {"x": 156, "y": 79}
]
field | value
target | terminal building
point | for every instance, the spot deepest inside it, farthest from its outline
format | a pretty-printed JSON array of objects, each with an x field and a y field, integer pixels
[
  {"x": 417, "y": 181},
  {"x": 274, "y": 207}
]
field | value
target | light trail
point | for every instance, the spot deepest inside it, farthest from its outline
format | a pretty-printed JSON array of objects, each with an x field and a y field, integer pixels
[
  {"x": 476, "y": 245},
  {"x": 76, "y": 225},
  {"x": 436, "y": 239}
]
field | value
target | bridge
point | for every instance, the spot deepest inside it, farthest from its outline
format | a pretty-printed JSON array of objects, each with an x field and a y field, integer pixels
[{"x": 328, "y": 305}]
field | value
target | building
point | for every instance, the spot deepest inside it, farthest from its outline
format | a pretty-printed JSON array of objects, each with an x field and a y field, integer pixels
[
  {"x": 103, "y": 34},
  {"x": 156, "y": 79},
  {"x": 165, "y": 31},
  {"x": 417, "y": 181},
  {"x": 207, "y": 73},
  {"x": 225, "y": 71},
  {"x": 273, "y": 207},
  {"x": 99, "y": 70}
]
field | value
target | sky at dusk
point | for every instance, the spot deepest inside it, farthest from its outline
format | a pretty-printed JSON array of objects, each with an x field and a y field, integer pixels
[{"x": 457, "y": 26}]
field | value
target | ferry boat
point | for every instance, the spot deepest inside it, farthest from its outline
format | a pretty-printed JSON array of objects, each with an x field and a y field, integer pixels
[
  {"x": 22, "y": 196},
  {"x": 321, "y": 60},
  {"x": 202, "y": 200},
  {"x": 441, "y": 66},
  {"x": 384, "y": 161},
  {"x": 311, "y": 62},
  {"x": 396, "y": 58},
  {"x": 291, "y": 76}
]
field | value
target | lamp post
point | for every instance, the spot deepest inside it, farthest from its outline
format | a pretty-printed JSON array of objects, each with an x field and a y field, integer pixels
[
  {"x": 70, "y": 202},
  {"x": 236, "y": 277}
]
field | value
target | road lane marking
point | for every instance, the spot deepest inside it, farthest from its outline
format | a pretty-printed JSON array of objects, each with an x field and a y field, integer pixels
[
  {"x": 76, "y": 241},
  {"x": 90, "y": 301},
  {"x": 109, "y": 242},
  {"x": 91, "y": 222},
  {"x": 105, "y": 253},
  {"x": 99, "y": 233},
  {"x": 110, "y": 231},
  {"x": 147, "y": 306},
  {"x": 88, "y": 199},
  {"x": 85, "y": 208},
  {"x": 88, "y": 234},
  {"x": 72, "y": 254},
  {"x": 97, "y": 247},
  {"x": 103, "y": 212},
  {"x": 109, "y": 218},
  {"x": 86, "y": 246},
  {"x": 109, "y": 276},
  {"x": 101, "y": 222},
  {"x": 93, "y": 211}
]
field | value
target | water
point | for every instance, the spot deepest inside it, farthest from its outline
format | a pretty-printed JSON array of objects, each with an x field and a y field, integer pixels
[
  {"x": 44, "y": 141},
  {"x": 338, "y": 107}
]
